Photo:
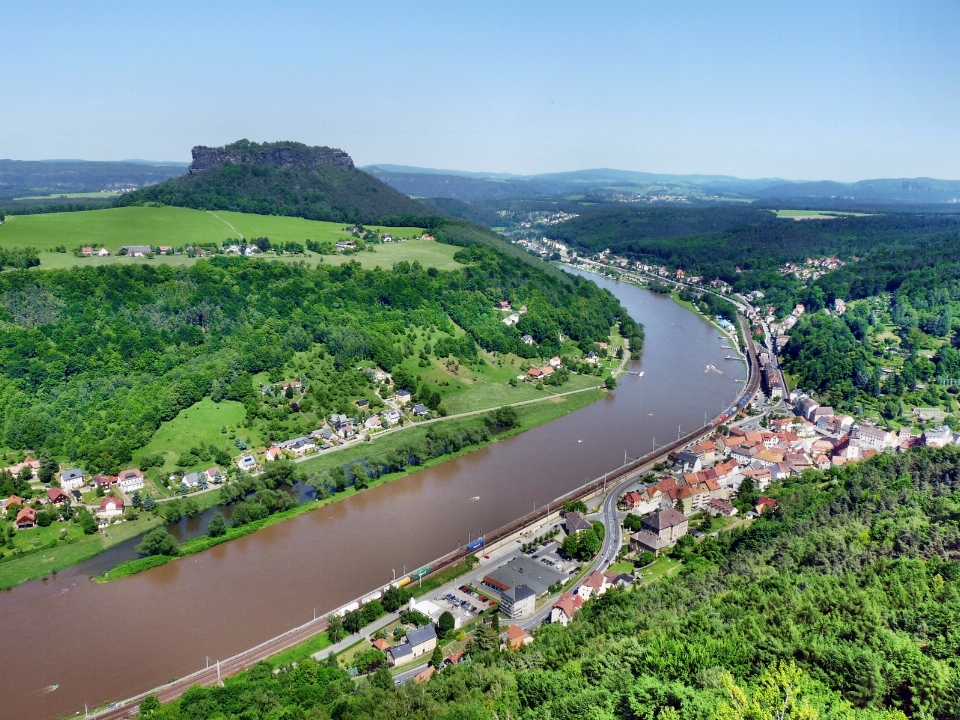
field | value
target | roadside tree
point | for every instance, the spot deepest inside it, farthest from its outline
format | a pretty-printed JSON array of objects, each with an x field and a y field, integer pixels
[
  {"x": 352, "y": 622},
  {"x": 335, "y": 630},
  {"x": 445, "y": 624},
  {"x": 437, "y": 657}
]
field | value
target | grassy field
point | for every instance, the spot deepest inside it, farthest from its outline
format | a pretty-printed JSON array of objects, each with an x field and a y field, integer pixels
[
  {"x": 200, "y": 423},
  {"x": 114, "y": 227},
  {"x": 815, "y": 214},
  {"x": 97, "y": 194}
]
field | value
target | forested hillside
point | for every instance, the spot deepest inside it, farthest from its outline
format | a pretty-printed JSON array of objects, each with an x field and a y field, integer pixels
[
  {"x": 93, "y": 359},
  {"x": 284, "y": 179},
  {"x": 844, "y": 603}
]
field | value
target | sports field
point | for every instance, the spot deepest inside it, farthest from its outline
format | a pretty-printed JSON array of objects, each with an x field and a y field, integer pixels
[{"x": 115, "y": 227}]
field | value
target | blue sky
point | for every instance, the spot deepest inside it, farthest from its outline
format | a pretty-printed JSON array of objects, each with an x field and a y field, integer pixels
[{"x": 837, "y": 90}]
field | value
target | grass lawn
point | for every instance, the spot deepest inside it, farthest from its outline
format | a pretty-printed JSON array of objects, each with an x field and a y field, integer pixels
[
  {"x": 301, "y": 651},
  {"x": 625, "y": 568},
  {"x": 660, "y": 569},
  {"x": 96, "y": 194},
  {"x": 114, "y": 227},
  {"x": 200, "y": 423}
]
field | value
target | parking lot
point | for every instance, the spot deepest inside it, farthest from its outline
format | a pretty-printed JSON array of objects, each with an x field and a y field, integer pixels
[{"x": 466, "y": 601}]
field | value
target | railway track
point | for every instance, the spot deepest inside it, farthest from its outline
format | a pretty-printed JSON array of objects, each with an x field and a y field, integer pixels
[{"x": 244, "y": 660}]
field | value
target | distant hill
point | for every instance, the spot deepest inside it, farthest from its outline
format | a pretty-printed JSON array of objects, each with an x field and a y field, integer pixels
[
  {"x": 19, "y": 178},
  {"x": 914, "y": 191},
  {"x": 604, "y": 183},
  {"x": 283, "y": 178}
]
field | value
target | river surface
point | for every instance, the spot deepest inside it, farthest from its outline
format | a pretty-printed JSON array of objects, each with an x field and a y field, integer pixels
[{"x": 108, "y": 642}]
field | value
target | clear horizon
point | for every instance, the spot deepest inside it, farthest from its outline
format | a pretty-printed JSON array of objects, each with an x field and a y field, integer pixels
[{"x": 801, "y": 91}]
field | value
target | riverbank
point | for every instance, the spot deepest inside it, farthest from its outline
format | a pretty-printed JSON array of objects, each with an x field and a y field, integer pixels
[{"x": 530, "y": 415}]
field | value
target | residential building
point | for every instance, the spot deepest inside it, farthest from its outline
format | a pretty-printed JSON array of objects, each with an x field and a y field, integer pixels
[
  {"x": 660, "y": 530},
  {"x": 516, "y": 637},
  {"x": 56, "y": 496},
  {"x": 103, "y": 481},
  {"x": 576, "y": 522},
  {"x": 421, "y": 410},
  {"x": 71, "y": 479},
  {"x": 273, "y": 453},
  {"x": 110, "y": 507},
  {"x": 130, "y": 480},
  {"x": 26, "y": 518},
  {"x": 391, "y": 417},
  {"x": 527, "y": 339},
  {"x": 517, "y": 602},
  {"x": 765, "y": 504},
  {"x": 11, "y": 502},
  {"x": 938, "y": 436},
  {"x": 721, "y": 508},
  {"x": 871, "y": 437},
  {"x": 594, "y": 584},
  {"x": 136, "y": 250},
  {"x": 418, "y": 642},
  {"x": 246, "y": 462},
  {"x": 402, "y": 396},
  {"x": 565, "y": 608}
]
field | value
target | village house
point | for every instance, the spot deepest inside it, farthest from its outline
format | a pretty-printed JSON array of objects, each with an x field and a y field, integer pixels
[
  {"x": 565, "y": 608},
  {"x": 103, "y": 481},
  {"x": 402, "y": 396},
  {"x": 136, "y": 250},
  {"x": 938, "y": 437},
  {"x": 659, "y": 530},
  {"x": 56, "y": 496},
  {"x": 527, "y": 339},
  {"x": 594, "y": 584},
  {"x": 870, "y": 437},
  {"x": 26, "y": 518},
  {"x": 418, "y": 642},
  {"x": 555, "y": 362},
  {"x": 29, "y": 462},
  {"x": 273, "y": 453},
  {"x": 576, "y": 522},
  {"x": 110, "y": 507},
  {"x": 71, "y": 479},
  {"x": 298, "y": 447},
  {"x": 372, "y": 423},
  {"x": 721, "y": 508},
  {"x": 516, "y": 637},
  {"x": 14, "y": 501},
  {"x": 765, "y": 504},
  {"x": 511, "y": 319},
  {"x": 421, "y": 410},
  {"x": 246, "y": 462},
  {"x": 130, "y": 480}
]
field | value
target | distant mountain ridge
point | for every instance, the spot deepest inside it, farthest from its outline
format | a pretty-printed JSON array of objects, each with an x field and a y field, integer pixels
[
  {"x": 38, "y": 177},
  {"x": 283, "y": 178},
  {"x": 472, "y": 186}
]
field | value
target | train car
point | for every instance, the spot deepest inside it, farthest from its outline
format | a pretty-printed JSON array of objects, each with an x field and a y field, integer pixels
[
  {"x": 403, "y": 581},
  {"x": 475, "y": 545},
  {"x": 347, "y": 608},
  {"x": 420, "y": 573},
  {"x": 371, "y": 596}
]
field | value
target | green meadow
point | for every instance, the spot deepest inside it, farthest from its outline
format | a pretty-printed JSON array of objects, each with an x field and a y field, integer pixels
[
  {"x": 115, "y": 227},
  {"x": 815, "y": 214}
]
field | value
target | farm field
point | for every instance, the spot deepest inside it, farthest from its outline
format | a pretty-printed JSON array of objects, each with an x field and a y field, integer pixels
[
  {"x": 815, "y": 214},
  {"x": 115, "y": 227}
]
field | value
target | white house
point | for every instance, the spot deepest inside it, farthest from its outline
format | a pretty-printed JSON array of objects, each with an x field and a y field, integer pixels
[
  {"x": 71, "y": 479},
  {"x": 110, "y": 507},
  {"x": 130, "y": 480}
]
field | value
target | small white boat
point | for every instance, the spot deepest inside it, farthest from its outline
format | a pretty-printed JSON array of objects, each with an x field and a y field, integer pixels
[{"x": 474, "y": 498}]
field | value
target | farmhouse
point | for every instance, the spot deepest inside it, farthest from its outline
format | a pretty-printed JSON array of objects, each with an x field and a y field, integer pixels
[
  {"x": 26, "y": 518},
  {"x": 136, "y": 250}
]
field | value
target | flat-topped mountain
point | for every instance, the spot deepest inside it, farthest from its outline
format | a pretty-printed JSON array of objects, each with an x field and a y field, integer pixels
[
  {"x": 283, "y": 178},
  {"x": 279, "y": 154}
]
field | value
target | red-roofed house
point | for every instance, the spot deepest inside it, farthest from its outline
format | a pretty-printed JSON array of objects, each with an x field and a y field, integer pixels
[
  {"x": 631, "y": 500},
  {"x": 593, "y": 584},
  {"x": 110, "y": 507},
  {"x": 517, "y": 637},
  {"x": 13, "y": 500},
  {"x": 381, "y": 644},
  {"x": 565, "y": 608},
  {"x": 57, "y": 496},
  {"x": 765, "y": 504},
  {"x": 26, "y": 518}
]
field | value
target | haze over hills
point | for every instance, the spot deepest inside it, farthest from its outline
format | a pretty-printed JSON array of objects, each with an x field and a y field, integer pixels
[
  {"x": 471, "y": 186},
  {"x": 283, "y": 178},
  {"x": 42, "y": 177}
]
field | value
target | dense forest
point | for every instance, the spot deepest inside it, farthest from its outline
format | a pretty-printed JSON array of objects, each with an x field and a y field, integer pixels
[
  {"x": 844, "y": 603},
  {"x": 20, "y": 178},
  {"x": 93, "y": 359},
  {"x": 279, "y": 179}
]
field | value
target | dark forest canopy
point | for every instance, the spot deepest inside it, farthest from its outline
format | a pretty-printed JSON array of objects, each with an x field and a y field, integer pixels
[
  {"x": 93, "y": 359},
  {"x": 282, "y": 179},
  {"x": 844, "y": 604}
]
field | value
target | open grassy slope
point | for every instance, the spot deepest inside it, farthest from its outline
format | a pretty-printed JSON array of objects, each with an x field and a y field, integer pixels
[{"x": 175, "y": 226}]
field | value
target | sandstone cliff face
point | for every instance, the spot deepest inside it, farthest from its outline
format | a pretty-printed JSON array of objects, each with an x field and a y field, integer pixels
[{"x": 282, "y": 154}]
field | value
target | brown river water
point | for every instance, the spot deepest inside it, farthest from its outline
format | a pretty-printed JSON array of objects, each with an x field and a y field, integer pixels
[{"x": 108, "y": 642}]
